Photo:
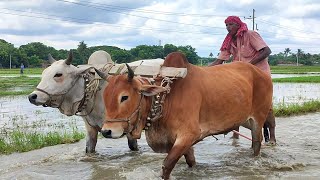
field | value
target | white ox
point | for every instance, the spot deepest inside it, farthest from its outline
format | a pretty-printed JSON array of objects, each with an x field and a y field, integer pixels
[{"x": 77, "y": 91}]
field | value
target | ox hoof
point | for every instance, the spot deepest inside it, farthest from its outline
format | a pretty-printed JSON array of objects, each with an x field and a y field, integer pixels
[
  {"x": 271, "y": 143},
  {"x": 133, "y": 145}
]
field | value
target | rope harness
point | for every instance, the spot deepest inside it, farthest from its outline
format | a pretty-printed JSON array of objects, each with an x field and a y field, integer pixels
[
  {"x": 157, "y": 102},
  {"x": 56, "y": 102},
  {"x": 90, "y": 90},
  {"x": 155, "y": 110}
]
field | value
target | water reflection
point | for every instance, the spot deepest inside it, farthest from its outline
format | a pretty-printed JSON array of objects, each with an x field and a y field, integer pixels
[
  {"x": 290, "y": 93},
  {"x": 18, "y": 109}
]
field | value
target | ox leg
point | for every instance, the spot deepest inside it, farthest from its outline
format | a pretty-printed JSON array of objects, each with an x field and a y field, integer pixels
[
  {"x": 132, "y": 143},
  {"x": 235, "y": 135},
  {"x": 266, "y": 133},
  {"x": 178, "y": 149},
  {"x": 256, "y": 133},
  {"x": 271, "y": 122},
  {"x": 91, "y": 139},
  {"x": 189, "y": 156}
]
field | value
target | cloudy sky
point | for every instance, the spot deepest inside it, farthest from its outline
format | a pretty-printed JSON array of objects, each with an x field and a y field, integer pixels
[{"x": 62, "y": 24}]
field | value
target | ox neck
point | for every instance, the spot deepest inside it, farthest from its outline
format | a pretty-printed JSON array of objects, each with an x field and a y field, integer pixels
[
  {"x": 157, "y": 103},
  {"x": 90, "y": 89}
]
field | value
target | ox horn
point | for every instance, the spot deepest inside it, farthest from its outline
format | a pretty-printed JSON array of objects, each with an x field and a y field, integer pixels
[
  {"x": 102, "y": 74},
  {"x": 51, "y": 59},
  {"x": 130, "y": 73},
  {"x": 70, "y": 57}
]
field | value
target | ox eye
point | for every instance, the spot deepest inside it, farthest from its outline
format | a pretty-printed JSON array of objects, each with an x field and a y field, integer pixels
[
  {"x": 58, "y": 75},
  {"x": 123, "y": 98}
]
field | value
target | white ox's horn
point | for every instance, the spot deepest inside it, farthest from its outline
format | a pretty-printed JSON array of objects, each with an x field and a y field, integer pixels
[
  {"x": 70, "y": 57},
  {"x": 51, "y": 59},
  {"x": 102, "y": 74}
]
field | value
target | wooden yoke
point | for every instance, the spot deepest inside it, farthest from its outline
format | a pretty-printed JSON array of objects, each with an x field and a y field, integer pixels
[{"x": 150, "y": 71}]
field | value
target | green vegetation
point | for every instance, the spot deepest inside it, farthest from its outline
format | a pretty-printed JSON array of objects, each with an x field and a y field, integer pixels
[
  {"x": 35, "y": 54},
  {"x": 16, "y": 71},
  {"x": 18, "y": 141},
  {"x": 305, "y": 79},
  {"x": 17, "y": 85},
  {"x": 294, "y": 69},
  {"x": 296, "y": 109},
  {"x": 288, "y": 57},
  {"x": 23, "y": 137}
]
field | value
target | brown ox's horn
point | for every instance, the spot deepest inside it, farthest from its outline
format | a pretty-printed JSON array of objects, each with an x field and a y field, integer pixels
[
  {"x": 102, "y": 74},
  {"x": 130, "y": 73},
  {"x": 51, "y": 59},
  {"x": 70, "y": 57}
]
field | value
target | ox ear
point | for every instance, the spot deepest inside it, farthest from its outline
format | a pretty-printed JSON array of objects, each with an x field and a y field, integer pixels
[
  {"x": 70, "y": 57},
  {"x": 83, "y": 69},
  {"x": 51, "y": 59},
  {"x": 151, "y": 90}
]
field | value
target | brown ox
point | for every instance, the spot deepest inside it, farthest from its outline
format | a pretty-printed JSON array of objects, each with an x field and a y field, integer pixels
[{"x": 208, "y": 101}]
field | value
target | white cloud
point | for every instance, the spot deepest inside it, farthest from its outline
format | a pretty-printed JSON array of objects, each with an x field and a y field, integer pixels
[{"x": 126, "y": 24}]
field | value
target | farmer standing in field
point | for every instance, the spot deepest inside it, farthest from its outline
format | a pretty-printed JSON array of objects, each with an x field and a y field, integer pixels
[
  {"x": 247, "y": 46},
  {"x": 21, "y": 68}
]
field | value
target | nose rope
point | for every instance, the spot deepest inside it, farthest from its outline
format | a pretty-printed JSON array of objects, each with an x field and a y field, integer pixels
[
  {"x": 128, "y": 119},
  {"x": 60, "y": 94}
]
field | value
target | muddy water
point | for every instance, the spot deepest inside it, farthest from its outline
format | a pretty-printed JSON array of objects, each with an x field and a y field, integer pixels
[{"x": 297, "y": 155}]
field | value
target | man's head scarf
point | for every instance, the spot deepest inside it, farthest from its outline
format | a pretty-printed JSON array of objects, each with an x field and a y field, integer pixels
[{"x": 226, "y": 45}]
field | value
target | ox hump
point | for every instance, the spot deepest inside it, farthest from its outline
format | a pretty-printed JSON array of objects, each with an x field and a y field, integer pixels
[{"x": 176, "y": 59}]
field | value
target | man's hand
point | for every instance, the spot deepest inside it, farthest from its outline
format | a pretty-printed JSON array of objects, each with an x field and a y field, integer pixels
[{"x": 216, "y": 62}]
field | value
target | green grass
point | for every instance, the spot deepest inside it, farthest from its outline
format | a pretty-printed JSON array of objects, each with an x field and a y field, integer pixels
[
  {"x": 18, "y": 141},
  {"x": 294, "y": 69},
  {"x": 296, "y": 109},
  {"x": 305, "y": 79},
  {"x": 23, "y": 136},
  {"x": 18, "y": 85},
  {"x": 17, "y": 71}
]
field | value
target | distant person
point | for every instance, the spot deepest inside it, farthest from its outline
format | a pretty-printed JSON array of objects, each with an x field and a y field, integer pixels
[
  {"x": 247, "y": 46},
  {"x": 21, "y": 68}
]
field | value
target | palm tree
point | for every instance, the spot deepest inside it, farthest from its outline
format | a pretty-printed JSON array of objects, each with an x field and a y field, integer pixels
[
  {"x": 287, "y": 51},
  {"x": 299, "y": 53}
]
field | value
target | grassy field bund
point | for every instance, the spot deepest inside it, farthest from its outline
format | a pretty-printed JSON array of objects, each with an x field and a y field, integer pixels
[
  {"x": 294, "y": 69},
  {"x": 16, "y": 71},
  {"x": 20, "y": 140}
]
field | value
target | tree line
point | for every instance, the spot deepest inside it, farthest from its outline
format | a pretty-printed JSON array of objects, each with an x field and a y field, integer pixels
[{"x": 35, "y": 54}]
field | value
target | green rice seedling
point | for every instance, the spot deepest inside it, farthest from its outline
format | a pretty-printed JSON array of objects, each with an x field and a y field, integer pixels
[
  {"x": 17, "y": 85},
  {"x": 304, "y": 79},
  {"x": 294, "y": 69},
  {"x": 18, "y": 141},
  {"x": 23, "y": 137},
  {"x": 297, "y": 109}
]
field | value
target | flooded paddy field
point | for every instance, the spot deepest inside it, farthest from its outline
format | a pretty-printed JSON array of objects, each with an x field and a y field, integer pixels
[{"x": 296, "y": 156}]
